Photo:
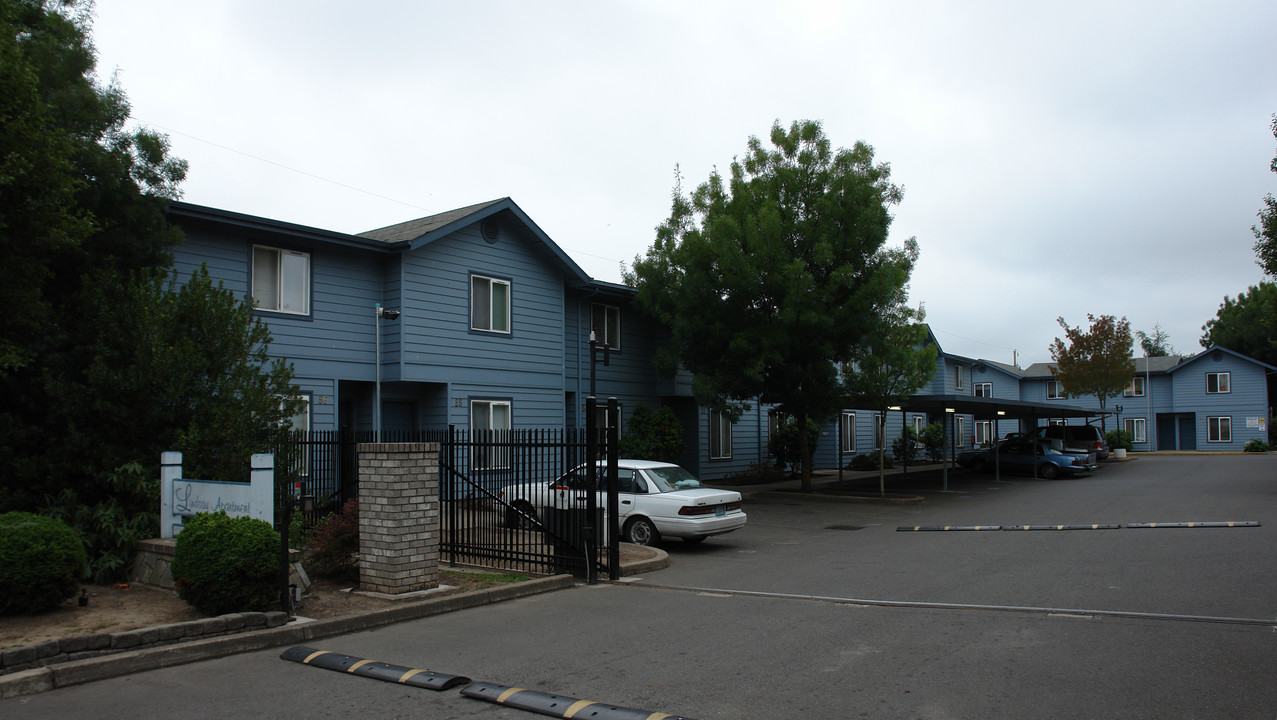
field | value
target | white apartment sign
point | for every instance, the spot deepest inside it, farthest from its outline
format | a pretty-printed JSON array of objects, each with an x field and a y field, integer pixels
[{"x": 181, "y": 497}]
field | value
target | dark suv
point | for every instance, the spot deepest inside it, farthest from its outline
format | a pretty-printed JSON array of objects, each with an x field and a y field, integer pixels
[{"x": 1078, "y": 437}]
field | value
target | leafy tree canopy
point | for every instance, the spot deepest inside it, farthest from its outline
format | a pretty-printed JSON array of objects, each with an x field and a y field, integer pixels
[
  {"x": 767, "y": 278},
  {"x": 103, "y": 365},
  {"x": 1097, "y": 361},
  {"x": 1247, "y": 324},
  {"x": 1266, "y": 230}
]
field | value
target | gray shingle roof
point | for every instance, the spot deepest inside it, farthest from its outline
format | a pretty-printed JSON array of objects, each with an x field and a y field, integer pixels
[{"x": 413, "y": 229}]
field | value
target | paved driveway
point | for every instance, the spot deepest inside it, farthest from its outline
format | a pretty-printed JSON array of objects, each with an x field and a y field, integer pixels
[{"x": 717, "y": 653}]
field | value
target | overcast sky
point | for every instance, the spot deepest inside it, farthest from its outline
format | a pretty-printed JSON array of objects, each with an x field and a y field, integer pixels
[{"x": 1057, "y": 159}]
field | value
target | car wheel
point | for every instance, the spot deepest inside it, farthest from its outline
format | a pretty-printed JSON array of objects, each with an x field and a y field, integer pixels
[
  {"x": 695, "y": 540},
  {"x": 979, "y": 465},
  {"x": 1049, "y": 471},
  {"x": 641, "y": 531},
  {"x": 521, "y": 515}
]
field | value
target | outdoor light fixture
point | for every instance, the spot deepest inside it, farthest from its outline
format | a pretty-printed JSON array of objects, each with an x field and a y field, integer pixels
[
  {"x": 1001, "y": 413},
  {"x": 949, "y": 410},
  {"x": 893, "y": 407},
  {"x": 380, "y": 314}
]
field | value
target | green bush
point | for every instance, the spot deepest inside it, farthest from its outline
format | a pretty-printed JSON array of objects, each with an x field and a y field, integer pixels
[
  {"x": 784, "y": 444},
  {"x": 653, "y": 435},
  {"x": 905, "y": 448},
  {"x": 111, "y": 529},
  {"x": 933, "y": 440},
  {"x": 223, "y": 564},
  {"x": 334, "y": 547},
  {"x": 1118, "y": 439},
  {"x": 868, "y": 461},
  {"x": 41, "y": 563},
  {"x": 1256, "y": 445}
]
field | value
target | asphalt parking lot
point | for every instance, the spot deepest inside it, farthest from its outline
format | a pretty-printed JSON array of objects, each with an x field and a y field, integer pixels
[{"x": 825, "y": 609}]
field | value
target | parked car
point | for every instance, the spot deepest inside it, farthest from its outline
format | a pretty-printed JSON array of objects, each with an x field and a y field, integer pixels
[
  {"x": 1017, "y": 455},
  {"x": 1087, "y": 438},
  {"x": 656, "y": 500}
]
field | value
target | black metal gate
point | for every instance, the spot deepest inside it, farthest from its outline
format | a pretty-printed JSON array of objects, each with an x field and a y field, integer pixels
[{"x": 501, "y": 503}]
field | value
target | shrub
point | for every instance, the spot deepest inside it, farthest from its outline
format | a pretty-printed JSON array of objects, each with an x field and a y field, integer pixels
[
  {"x": 785, "y": 443},
  {"x": 933, "y": 439},
  {"x": 1118, "y": 439},
  {"x": 1256, "y": 445},
  {"x": 41, "y": 562},
  {"x": 868, "y": 461},
  {"x": 111, "y": 528},
  {"x": 334, "y": 547},
  {"x": 223, "y": 564},
  {"x": 905, "y": 448},
  {"x": 653, "y": 435}
]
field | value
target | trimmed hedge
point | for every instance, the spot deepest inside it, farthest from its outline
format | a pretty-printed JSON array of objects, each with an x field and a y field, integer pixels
[
  {"x": 224, "y": 565},
  {"x": 41, "y": 563}
]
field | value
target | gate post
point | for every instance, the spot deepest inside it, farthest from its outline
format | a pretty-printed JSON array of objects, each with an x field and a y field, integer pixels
[
  {"x": 398, "y": 517},
  {"x": 613, "y": 490},
  {"x": 588, "y": 536}
]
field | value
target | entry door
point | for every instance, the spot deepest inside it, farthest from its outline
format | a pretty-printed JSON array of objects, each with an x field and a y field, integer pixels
[
  {"x": 1187, "y": 432},
  {"x": 1165, "y": 433}
]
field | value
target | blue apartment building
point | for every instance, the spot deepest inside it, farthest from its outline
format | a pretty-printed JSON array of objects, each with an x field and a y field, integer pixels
[{"x": 493, "y": 330}]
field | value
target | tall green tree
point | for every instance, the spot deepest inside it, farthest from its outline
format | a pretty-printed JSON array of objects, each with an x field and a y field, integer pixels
[
  {"x": 1157, "y": 343},
  {"x": 767, "y": 278},
  {"x": 1246, "y": 324},
  {"x": 103, "y": 363},
  {"x": 885, "y": 371},
  {"x": 1095, "y": 362},
  {"x": 1266, "y": 230}
]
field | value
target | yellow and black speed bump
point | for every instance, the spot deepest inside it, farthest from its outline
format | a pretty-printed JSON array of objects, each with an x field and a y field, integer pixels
[
  {"x": 557, "y": 705},
  {"x": 1242, "y": 523},
  {"x": 946, "y": 528},
  {"x": 1062, "y": 527},
  {"x": 371, "y": 669}
]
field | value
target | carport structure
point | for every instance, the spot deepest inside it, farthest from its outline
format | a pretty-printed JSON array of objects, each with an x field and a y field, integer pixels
[{"x": 988, "y": 408}]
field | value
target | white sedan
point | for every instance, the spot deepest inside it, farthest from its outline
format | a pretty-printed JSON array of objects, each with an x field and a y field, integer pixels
[{"x": 656, "y": 500}]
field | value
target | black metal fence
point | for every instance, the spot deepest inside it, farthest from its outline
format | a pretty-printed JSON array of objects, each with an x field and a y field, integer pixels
[{"x": 498, "y": 508}]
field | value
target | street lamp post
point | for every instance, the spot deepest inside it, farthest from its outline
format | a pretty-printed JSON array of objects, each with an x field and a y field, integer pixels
[{"x": 380, "y": 314}]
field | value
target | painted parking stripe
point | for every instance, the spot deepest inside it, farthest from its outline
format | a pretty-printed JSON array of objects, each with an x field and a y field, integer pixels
[
  {"x": 385, "y": 672},
  {"x": 558, "y": 706}
]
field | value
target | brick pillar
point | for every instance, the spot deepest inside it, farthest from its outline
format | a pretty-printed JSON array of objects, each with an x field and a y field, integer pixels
[{"x": 398, "y": 517}]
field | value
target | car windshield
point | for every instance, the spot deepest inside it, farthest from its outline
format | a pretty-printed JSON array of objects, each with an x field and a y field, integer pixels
[{"x": 672, "y": 477}]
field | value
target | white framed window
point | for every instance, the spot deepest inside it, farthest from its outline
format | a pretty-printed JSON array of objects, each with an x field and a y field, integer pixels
[
  {"x": 961, "y": 431},
  {"x": 301, "y": 421},
  {"x": 489, "y": 304},
  {"x": 983, "y": 432},
  {"x": 957, "y": 376},
  {"x": 919, "y": 422},
  {"x": 298, "y": 454},
  {"x": 281, "y": 280},
  {"x": 878, "y": 431},
  {"x": 1219, "y": 382},
  {"x": 490, "y": 420},
  {"x": 1054, "y": 390},
  {"x": 1136, "y": 428},
  {"x": 605, "y": 323},
  {"x": 773, "y": 423},
  {"x": 1135, "y": 388},
  {"x": 1219, "y": 429},
  {"x": 984, "y": 389},
  {"x": 720, "y": 436}
]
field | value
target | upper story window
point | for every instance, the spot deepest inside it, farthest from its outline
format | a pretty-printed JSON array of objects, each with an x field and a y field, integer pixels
[
  {"x": 1217, "y": 382},
  {"x": 1054, "y": 390},
  {"x": 605, "y": 323},
  {"x": 489, "y": 304},
  {"x": 281, "y": 280},
  {"x": 1135, "y": 388},
  {"x": 957, "y": 376},
  {"x": 984, "y": 389}
]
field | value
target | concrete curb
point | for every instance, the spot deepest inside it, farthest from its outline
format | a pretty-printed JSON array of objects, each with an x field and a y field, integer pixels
[
  {"x": 659, "y": 561},
  {"x": 37, "y": 680}
]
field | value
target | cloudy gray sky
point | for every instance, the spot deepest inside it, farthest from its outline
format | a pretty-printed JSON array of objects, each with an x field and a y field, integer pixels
[{"x": 1057, "y": 159}]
